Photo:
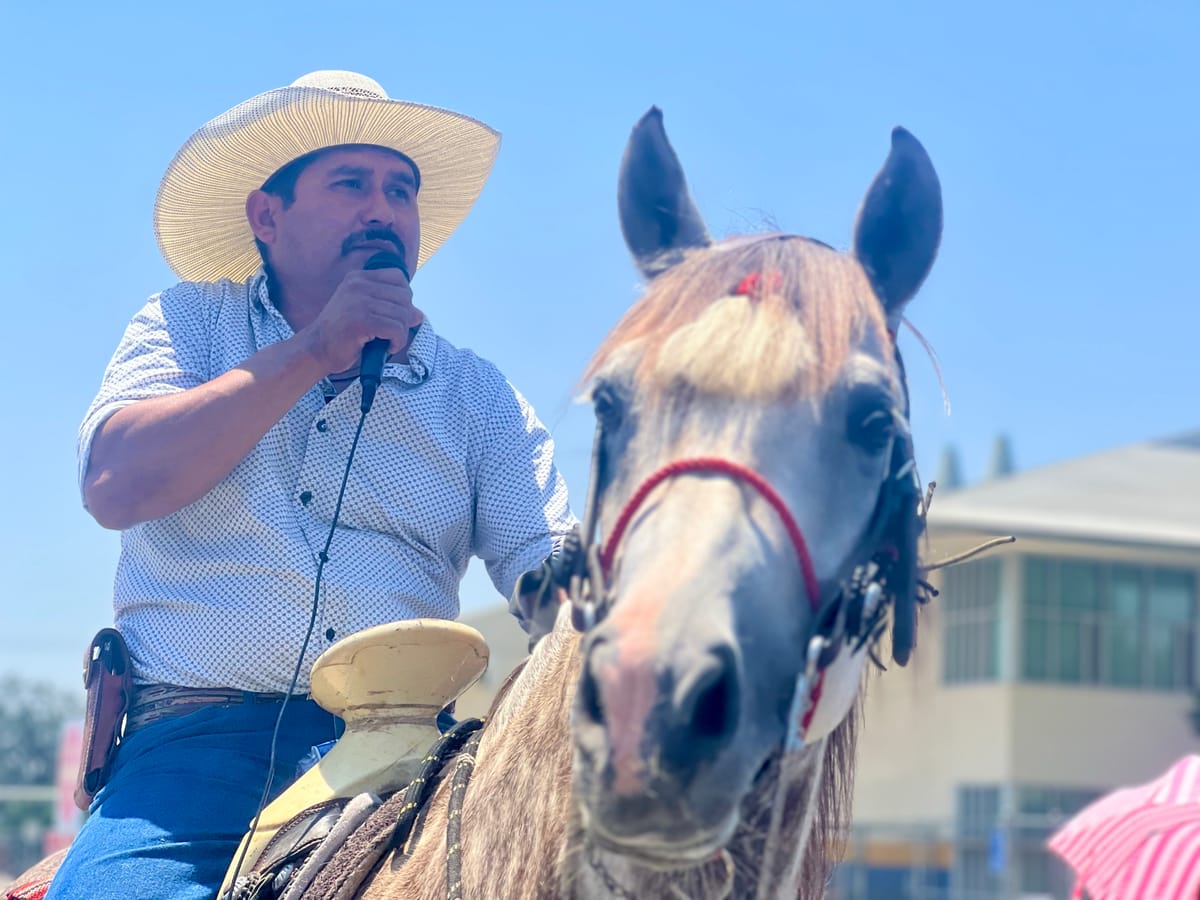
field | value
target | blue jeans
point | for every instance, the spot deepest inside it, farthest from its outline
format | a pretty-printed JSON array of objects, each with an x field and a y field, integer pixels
[{"x": 180, "y": 797}]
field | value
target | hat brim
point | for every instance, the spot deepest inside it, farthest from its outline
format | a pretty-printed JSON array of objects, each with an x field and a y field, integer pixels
[{"x": 200, "y": 212}]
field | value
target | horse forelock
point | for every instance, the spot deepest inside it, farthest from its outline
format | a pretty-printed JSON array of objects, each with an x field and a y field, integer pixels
[{"x": 788, "y": 337}]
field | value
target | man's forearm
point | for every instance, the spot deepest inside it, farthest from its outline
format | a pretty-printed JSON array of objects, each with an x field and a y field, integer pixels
[{"x": 154, "y": 457}]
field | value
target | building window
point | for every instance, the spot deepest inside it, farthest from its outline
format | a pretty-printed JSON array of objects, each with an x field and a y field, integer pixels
[
  {"x": 1000, "y": 848},
  {"x": 979, "y": 857},
  {"x": 1170, "y": 612},
  {"x": 1125, "y": 639},
  {"x": 970, "y": 600},
  {"x": 1087, "y": 622},
  {"x": 1040, "y": 812}
]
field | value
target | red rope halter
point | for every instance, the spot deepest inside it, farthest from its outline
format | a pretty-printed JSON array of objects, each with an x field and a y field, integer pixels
[{"x": 737, "y": 472}]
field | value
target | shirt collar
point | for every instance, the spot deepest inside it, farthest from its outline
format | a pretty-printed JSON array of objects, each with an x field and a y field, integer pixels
[
  {"x": 421, "y": 352},
  {"x": 259, "y": 294}
]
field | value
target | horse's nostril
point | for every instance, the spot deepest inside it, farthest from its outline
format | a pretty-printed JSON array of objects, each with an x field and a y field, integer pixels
[
  {"x": 710, "y": 710},
  {"x": 589, "y": 699},
  {"x": 711, "y": 718}
]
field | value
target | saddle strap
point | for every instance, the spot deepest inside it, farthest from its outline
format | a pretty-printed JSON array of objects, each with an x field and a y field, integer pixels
[
  {"x": 287, "y": 852},
  {"x": 355, "y": 814},
  {"x": 351, "y": 862}
]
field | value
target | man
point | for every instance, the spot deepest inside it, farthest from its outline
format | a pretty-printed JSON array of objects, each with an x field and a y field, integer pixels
[{"x": 219, "y": 439}]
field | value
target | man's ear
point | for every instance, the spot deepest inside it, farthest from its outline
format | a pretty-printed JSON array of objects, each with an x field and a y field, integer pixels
[{"x": 260, "y": 214}]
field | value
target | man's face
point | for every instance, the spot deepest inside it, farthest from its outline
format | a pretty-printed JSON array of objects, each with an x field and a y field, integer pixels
[{"x": 349, "y": 204}]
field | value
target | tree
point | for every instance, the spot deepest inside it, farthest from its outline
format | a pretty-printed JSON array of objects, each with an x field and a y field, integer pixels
[
  {"x": 32, "y": 716},
  {"x": 1001, "y": 462},
  {"x": 949, "y": 474}
]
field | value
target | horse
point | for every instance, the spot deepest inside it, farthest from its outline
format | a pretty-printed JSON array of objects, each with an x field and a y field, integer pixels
[
  {"x": 686, "y": 725},
  {"x": 753, "y": 483}
]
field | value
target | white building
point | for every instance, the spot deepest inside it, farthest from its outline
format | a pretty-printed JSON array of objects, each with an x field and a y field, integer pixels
[{"x": 1045, "y": 674}]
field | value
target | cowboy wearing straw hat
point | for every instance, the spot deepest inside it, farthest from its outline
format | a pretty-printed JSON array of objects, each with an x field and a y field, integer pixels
[{"x": 219, "y": 438}]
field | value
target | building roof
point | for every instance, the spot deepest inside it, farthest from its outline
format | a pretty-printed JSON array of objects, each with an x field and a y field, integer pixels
[{"x": 1146, "y": 493}]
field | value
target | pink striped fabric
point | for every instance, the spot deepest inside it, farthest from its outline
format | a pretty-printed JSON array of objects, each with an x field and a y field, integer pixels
[
  {"x": 1139, "y": 843},
  {"x": 1167, "y": 865}
]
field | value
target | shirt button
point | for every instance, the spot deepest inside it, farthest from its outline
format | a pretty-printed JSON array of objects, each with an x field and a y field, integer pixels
[
  {"x": 329, "y": 634},
  {"x": 322, "y": 425},
  {"x": 305, "y": 497}
]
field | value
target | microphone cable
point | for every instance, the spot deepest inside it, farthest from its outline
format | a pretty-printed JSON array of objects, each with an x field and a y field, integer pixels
[
  {"x": 374, "y": 356},
  {"x": 322, "y": 558}
]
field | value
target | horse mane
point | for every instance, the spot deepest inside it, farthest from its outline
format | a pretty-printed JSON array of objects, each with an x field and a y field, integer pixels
[
  {"x": 834, "y": 801},
  {"x": 505, "y": 686},
  {"x": 788, "y": 335}
]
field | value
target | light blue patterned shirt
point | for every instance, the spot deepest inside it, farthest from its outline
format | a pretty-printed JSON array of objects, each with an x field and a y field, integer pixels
[{"x": 452, "y": 463}]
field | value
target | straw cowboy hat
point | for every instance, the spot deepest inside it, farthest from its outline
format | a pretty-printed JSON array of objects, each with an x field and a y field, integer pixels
[{"x": 199, "y": 214}]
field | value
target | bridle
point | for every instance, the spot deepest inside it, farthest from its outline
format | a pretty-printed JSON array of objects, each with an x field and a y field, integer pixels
[
  {"x": 852, "y": 616},
  {"x": 738, "y": 473}
]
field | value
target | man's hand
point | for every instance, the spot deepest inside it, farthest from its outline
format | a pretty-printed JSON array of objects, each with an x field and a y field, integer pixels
[
  {"x": 538, "y": 593},
  {"x": 368, "y": 304}
]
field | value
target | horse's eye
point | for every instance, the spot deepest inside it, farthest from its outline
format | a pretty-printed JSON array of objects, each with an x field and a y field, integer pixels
[
  {"x": 607, "y": 406},
  {"x": 870, "y": 425}
]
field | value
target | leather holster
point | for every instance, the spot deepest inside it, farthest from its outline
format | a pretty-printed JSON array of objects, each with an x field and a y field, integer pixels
[{"x": 108, "y": 678}]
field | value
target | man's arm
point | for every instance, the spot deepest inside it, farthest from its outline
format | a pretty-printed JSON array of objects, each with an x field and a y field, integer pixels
[
  {"x": 159, "y": 453},
  {"x": 155, "y": 456},
  {"x": 524, "y": 527}
]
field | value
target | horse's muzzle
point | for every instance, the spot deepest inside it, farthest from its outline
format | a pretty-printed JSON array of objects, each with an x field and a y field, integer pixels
[
  {"x": 649, "y": 721},
  {"x": 651, "y": 842},
  {"x": 658, "y": 770}
]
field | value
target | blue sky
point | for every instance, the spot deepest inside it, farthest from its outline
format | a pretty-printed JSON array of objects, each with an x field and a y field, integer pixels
[{"x": 1064, "y": 307}]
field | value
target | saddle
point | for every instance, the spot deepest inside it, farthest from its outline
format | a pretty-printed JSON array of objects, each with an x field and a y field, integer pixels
[
  {"x": 388, "y": 684},
  {"x": 326, "y": 852}
]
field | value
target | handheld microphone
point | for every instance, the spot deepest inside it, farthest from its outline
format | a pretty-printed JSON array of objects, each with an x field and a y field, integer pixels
[{"x": 374, "y": 353}]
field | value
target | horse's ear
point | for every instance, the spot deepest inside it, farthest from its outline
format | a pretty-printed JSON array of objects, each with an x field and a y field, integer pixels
[
  {"x": 899, "y": 224},
  {"x": 658, "y": 217}
]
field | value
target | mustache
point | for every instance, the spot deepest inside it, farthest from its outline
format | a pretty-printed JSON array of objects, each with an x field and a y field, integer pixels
[{"x": 373, "y": 234}]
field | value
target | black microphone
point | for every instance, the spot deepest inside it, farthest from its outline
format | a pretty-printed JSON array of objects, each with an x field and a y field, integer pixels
[{"x": 374, "y": 353}]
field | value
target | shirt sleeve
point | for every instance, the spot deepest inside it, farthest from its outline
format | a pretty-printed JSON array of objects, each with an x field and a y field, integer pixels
[
  {"x": 521, "y": 509},
  {"x": 165, "y": 350}
]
